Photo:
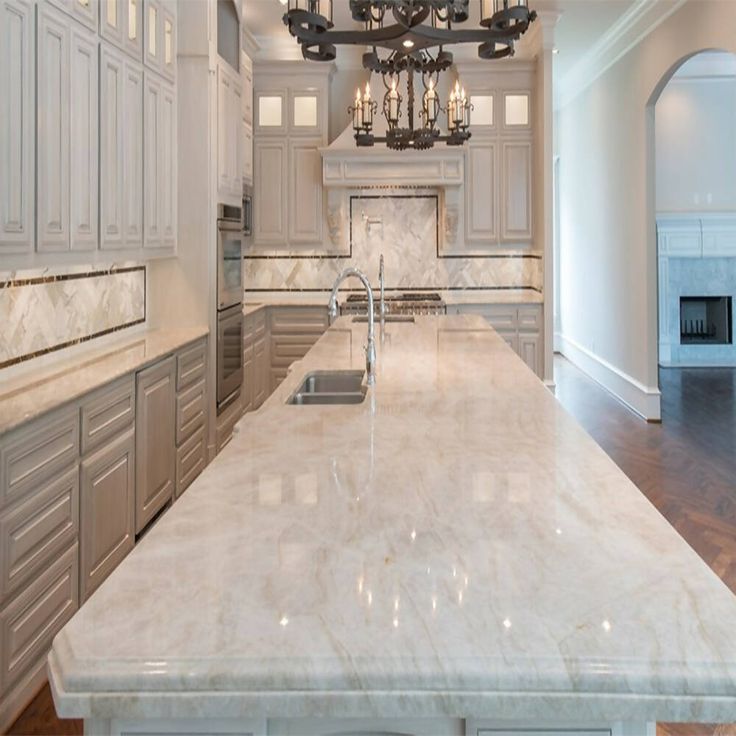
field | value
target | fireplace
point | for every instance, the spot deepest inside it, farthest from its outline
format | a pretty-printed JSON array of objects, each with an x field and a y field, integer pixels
[{"x": 706, "y": 320}]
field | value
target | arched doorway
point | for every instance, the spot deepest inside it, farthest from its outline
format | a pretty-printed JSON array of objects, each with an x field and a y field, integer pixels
[{"x": 692, "y": 114}]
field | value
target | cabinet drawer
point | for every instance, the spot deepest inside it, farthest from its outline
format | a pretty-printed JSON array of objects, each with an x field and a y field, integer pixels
[
  {"x": 191, "y": 407},
  {"x": 190, "y": 460},
  {"x": 191, "y": 364},
  {"x": 285, "y": 349},
  {"x": 32, "y": 534},
  {"x": 530, "y": 318},
  {"x": 107, "y": 413},
  {"x": 29, "y": 623},
  {"x": 500, "y": 317},
  {"x": 290, "y": 320},
  {"x": 37, "y": 452}
]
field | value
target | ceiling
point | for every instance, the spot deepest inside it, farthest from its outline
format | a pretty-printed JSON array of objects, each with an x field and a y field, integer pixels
[{"x": 582, "y": 23}]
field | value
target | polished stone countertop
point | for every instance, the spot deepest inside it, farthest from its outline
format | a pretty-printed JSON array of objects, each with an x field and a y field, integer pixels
[
  {"x": 456, "y": 545},
  {"x": 37, "y": 391},
  {"x": 256, "y": 300}
]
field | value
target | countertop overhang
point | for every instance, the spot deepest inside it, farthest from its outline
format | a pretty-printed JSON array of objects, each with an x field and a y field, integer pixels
[{"x": 457, "y": 545}]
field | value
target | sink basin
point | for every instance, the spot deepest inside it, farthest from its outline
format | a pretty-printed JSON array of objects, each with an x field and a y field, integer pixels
[
  {"x": 330, "y": 387},
  {"x": 388, "y": 318}
]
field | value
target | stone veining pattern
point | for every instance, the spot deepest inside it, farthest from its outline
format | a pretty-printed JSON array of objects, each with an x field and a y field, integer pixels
[
  {"x": 41, "y": 312},
  {"x": 405, "y": 229},
  {"x": 456, "y": 545}
]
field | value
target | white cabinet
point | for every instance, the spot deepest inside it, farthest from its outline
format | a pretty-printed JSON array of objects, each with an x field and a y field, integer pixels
[
  {"x": 229, "y": 138},
  {"x": 159, "y": 162},
  {"x": 112, "y": 155},
  {"x": 133, "y": 28},
  {"x": 152, "y": 22},
  {"x": 112, "y": 21},
  {"x": 269, "y": 205},
  {"x": 246, "y": 77},
  {"x": 305, "y": 192},
  {"x": 152, "y": 141},
  {"x": 53, "y": 36},
  {"x": 133, "y": 185},
  {"x": 17, "y": 127},
  {"x": 84, "y": 11},
  {"x": 247, "y": 136},
  {"x": 481, "y": 221},
  {"x": 84, "y": 138},
  {"x": 517, "y": 191},
  {"x": 67, "y": 134}
]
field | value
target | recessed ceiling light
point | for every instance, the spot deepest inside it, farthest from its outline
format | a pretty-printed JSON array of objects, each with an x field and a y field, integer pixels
[
  {"x": 408, "y": 44},
  {"x": 555, "y": 50}
]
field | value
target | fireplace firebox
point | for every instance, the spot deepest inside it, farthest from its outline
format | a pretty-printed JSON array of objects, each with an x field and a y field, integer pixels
[{"x": 706, "y": 320}]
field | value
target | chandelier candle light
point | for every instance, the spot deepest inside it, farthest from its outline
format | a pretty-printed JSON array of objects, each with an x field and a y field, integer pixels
[{"x": 411, "y": 36}]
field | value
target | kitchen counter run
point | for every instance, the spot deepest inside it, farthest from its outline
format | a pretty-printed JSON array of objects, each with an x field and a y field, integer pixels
[
  {"x": 41, "y": 390},
  {"x": 455, "y": 546}
]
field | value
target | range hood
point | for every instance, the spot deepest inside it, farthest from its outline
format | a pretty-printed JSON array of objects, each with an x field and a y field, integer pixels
[{"x": 345, "y": 166}]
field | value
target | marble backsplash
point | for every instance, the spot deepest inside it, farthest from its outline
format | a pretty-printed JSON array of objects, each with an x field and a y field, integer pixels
[
  {"x": 405, "y": 228},
  {"x": 45, "y": 311}
]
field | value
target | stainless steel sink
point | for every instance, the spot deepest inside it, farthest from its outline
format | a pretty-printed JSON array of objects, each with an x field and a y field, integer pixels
[
  {"x": 330, "y": 387},
  {"x": 387, "y": 318}
]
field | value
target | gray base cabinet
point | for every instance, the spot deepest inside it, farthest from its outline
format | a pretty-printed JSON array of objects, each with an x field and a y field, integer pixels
[
  {"x": 520, "y": 326},
  {"x": 107, "y": 481},
  {"x": 76, "y": 485},
  {"x": 155, "y": 440}
]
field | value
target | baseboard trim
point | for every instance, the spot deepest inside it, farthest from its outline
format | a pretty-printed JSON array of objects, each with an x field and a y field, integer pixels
[{"x": 642, "y": 400}]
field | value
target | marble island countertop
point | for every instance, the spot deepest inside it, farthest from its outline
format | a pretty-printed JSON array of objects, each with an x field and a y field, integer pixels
[
  {"x": 456, "y": 545},
  {"x": 40, "y": 390}
]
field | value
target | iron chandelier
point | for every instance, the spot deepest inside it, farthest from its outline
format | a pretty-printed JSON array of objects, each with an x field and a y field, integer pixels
[{"x": 411, "y": 36}]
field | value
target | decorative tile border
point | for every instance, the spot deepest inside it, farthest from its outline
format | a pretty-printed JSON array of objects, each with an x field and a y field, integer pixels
[{"x": 47, "y": 313}]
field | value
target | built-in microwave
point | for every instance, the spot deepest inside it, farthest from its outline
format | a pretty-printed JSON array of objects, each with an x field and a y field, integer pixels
[{"x": 247, "y": 210}]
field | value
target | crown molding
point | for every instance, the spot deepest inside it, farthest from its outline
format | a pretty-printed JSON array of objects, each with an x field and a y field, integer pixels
[
  {"x": 250, "y": 43},
  {"x": 628, "y": 31}
]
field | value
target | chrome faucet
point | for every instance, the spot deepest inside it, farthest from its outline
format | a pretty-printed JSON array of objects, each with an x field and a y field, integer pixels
[
  {"x": 381, "y": 281},
  {"x": 370, "y": 348}
]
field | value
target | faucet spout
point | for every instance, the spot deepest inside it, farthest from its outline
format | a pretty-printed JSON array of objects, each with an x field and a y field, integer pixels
[{"x": 370, "y": 348}]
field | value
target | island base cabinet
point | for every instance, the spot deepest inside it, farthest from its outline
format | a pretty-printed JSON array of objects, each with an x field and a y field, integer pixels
[
  {"x": 155, "y": 440},
  {"x": 360, "y": 727},
  {"x": 108, "y": 500}
]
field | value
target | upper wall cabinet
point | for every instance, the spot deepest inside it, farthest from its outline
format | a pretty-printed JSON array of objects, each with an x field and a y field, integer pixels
[
  {"x": 67, "y": 121},
  {"x": 290, "y": 126},
  {"x": 72, "y": 130},
  {"x": 498, "y": 158},
  {"x": 17, "y": 127},
  {"x": 229, "y": 139},
  {"x": 121, "y": 23}
]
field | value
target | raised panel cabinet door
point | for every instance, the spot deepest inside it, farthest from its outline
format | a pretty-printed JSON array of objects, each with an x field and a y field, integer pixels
[
  {"x": 133, "y": 28},
  {"x": 107, "y": 510},
  {"x": 262, "y": 370},
  {"x": 224, "y": 165},
  {"x": 530, "y": 351},
  {"x": 517, "y": 191},
  {"x": 305, "y": 181},
  {"x": 52, "y": 101},
  {"x": 155, "y": 429},
  {"x": 237, "y": 143},
  {"x": 112, "y": 132},
  {"x": 480, "y": 188},
  {"x": 247, "y": 134},
  {"x": 86, "y": 12},
  {"x": 133, "y": 185},
  {"x": 151, "y": 162},
  {"x": 269, "y": 201},
  {"x": 167, "y": 176},
  {"x": 112, "y": 20},
  {"x": 246, "y": 74},
  {"x": 84, "y": 137},
  {"x": 17, "y": 127}
]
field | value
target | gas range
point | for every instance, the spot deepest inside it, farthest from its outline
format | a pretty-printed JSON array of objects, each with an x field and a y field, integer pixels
[{"x": 411, "y": 302}]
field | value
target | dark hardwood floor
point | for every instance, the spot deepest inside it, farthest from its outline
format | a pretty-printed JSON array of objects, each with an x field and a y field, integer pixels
[{"x": 686, "y": 466}]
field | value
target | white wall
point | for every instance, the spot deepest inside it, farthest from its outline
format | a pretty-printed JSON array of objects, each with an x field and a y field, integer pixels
[
  {"x": 696, "y": 145},
  {"x": 608, "y": 270}
]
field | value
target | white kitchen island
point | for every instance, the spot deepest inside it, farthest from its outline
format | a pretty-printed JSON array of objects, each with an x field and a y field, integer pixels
[{"x": 455, "y": 555}]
